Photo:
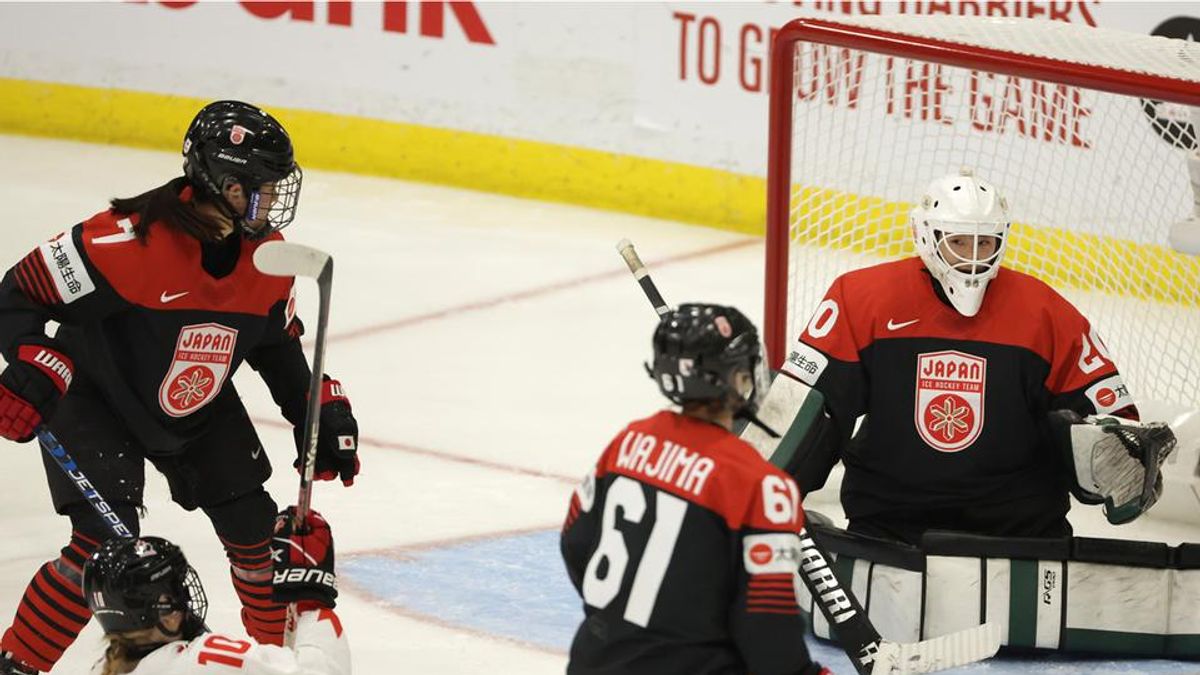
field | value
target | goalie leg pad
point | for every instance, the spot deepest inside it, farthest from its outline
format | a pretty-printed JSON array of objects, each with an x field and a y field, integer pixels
[
  {"x": 1098, "y": 596},
  {"x": 807, "y": 444}
]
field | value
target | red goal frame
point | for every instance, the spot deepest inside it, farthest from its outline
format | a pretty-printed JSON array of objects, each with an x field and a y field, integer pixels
[{"x": 779, "y": 148}]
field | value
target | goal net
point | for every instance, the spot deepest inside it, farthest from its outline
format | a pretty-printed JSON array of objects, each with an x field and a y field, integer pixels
[{"x": 1087, "y": 132}]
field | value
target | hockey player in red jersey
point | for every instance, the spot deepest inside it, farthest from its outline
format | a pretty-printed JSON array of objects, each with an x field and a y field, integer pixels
[
  {"x": 683, "y": 541},
  {"x": 151, "y": 605},
  {"x": 158, "y": 303},
  {"x": 959, "y": 366}
]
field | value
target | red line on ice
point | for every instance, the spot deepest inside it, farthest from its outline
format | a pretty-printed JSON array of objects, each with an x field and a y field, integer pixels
[{"x": 537, "y": 291}]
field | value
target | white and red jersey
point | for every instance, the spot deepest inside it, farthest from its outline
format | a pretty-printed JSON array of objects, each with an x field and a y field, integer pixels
[{"x": 321, "y": 649}]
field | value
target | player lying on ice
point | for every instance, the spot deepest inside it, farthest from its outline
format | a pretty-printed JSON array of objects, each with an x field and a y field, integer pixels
[
  {"x": 159, "y": 303},
  {"x": 151, "y": 605},
  {"x": 986, "y": 398},
  {"x": 682, "y": 541}
]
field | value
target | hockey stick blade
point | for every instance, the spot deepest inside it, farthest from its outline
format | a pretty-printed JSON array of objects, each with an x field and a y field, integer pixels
[
  {"x": 286, "y": 259},
  {"x": 940, "y": 653}
]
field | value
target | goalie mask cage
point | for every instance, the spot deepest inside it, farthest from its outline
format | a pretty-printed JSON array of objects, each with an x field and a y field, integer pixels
[{"x": 1085, "y": 131}]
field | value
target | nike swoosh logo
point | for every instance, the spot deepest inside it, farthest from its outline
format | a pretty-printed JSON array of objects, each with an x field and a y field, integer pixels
[
  {"x": 257, "y": 451},
  {"x": 164, "y": 298},
  {"x": 897, "y": 326}
]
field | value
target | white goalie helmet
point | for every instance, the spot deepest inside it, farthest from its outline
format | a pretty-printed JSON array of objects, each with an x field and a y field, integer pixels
[{"x": 951, "y": 225}]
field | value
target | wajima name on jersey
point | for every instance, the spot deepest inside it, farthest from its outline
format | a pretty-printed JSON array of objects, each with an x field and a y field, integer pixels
[{"x": 667, "y": 462}]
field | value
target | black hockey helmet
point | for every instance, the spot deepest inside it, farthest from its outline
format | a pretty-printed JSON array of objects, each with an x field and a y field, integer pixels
[
  {"x": 131, "y": 583},
  {"x": 235, "y": 141},
  {"x": 698, "y": 349}
]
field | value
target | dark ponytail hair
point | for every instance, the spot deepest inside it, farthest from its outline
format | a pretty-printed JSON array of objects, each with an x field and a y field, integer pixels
[{"x": 168, "y": 205}]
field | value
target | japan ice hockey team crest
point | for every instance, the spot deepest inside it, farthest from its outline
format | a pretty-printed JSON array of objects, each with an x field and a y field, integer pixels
[
  {"x": 199, "y": 368},
  {"x": 950, "y": 389}
]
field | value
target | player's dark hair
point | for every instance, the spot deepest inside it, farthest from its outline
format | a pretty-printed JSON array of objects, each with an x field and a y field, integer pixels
[{"x": 164, "y": 204}]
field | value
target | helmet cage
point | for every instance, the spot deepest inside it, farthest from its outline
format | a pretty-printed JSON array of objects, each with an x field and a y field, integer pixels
[
  {"x": 972, "y": 267},
  {"x": 272, "y": 203},
  {"x": 234, "y": 143}
]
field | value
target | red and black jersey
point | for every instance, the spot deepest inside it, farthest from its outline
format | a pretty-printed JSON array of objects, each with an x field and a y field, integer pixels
[
  {"x": 155, "y": 330},
  {"x": 683, "y": 545},
  {"x": 955, "y": 406}
]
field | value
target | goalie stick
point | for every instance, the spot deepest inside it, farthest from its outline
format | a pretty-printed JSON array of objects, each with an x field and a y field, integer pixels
[
  {"x": 286, "y": 259},
  {"x": 851, "y": 627}
]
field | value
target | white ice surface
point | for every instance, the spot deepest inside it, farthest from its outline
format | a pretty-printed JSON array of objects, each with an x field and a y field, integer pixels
[{"x": 490, "y": 346}]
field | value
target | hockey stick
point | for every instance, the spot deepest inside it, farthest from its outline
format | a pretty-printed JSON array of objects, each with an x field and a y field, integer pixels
[
  {"x": 286, "y": 259},
  {"x": 853, "y": 630},
  {"x": 59, "y": 454}
]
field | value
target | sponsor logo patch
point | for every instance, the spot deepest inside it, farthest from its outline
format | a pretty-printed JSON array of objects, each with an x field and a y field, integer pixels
[
  {"x": 1109, "y": 395},
  {"x": 949, "y": 401},
  {"x": 761, "y": 554},
  {"x": 775, "y": 553},
  {"x": 805, "y": 364},
  {"x": 203, "y": 354},
  {"x": 66, "y": 268}
]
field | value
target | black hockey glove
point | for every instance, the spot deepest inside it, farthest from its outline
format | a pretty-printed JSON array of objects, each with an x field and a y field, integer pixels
[
  {"x": 30, "y": 388},
  {"x": 337, "y": 437},
  {"x": 303, "y": 561}
]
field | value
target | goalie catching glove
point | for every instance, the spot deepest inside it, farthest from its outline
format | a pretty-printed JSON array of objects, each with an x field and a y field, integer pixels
[
  {"x": 1116, "y": 463},
  {"x": 303, "y": 561}
]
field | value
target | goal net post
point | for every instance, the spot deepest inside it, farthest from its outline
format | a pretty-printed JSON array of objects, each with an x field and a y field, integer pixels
[{"x": 1089, "y": 133}]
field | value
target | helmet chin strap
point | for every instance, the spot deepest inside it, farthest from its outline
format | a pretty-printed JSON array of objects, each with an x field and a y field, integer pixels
[{"x": 753, "y": 419}]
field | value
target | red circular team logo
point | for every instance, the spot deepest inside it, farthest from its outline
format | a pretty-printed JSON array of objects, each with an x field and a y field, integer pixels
[
  {"x": 949, "y": 418},
  {"x": 191, "y": 387},
  {"x": 761, "y": 554},
  {"x": 203, "y": 356},
  {"x": 1106, "y": 397}
]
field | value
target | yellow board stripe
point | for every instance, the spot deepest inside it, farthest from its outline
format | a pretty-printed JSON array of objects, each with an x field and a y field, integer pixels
[
  {"x": 587, "y": 177},
  {"x": 1061, "y": 258},
  {"x": 516, "y": 167}
]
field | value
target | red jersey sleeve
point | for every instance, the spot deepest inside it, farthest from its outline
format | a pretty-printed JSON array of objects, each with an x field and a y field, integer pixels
[
  {"x": 826, "y": 358},
  {"x": 57, "y": 281},
  {"x": 1083, "y": 376}
]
